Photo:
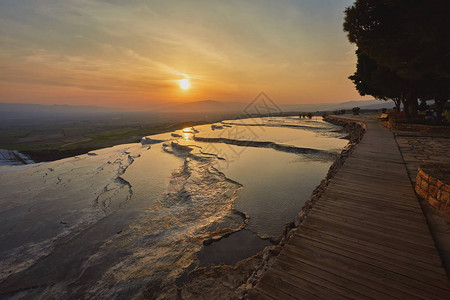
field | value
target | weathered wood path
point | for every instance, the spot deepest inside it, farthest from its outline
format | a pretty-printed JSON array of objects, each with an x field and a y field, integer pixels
[{"x": 365, "y": 238}]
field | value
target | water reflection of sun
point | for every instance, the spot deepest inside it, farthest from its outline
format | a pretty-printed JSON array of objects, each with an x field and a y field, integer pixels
[{"x": 187, "y": 133}]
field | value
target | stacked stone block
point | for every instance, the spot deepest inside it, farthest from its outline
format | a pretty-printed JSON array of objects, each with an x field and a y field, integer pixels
[{"x": 433, "y": 189}]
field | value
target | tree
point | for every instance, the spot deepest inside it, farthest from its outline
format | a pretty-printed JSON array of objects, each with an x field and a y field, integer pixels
[
  {"x": 408, "y": 36},
  {"x": 407, "y": 39},
  {"x": 378, "y": 81}
]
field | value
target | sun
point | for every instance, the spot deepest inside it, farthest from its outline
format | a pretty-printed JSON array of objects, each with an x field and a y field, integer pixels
[{"x": 184, "y": 84}]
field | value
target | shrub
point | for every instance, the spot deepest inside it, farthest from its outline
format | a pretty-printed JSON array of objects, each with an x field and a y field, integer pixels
[{"x": 447, "y": 115}]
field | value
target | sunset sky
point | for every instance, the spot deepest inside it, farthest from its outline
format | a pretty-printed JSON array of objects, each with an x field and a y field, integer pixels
[{"x": 134, "y": 53}]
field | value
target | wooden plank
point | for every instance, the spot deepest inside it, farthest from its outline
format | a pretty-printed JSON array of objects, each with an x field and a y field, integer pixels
[
  {"x": 282, "y": 289},
  {"x": 388, "y": 157},
  {"x": 417, "y": 222},
  {"x": 374, "y": 164},
  {"x": 340, "y": 285},
  {"x": 394, "y": 257},
  {"x": 258, "y": 294},
  {"x": 358, "y": 166},
  {"x": 348, "y": 272},
  {"x": 377, "y": 206},
  {"x": 379, "y": 212},
  {"x": 358, "y": 163},
  {"x": 369, "y": 186},
  {"x": 385, "y": 202},
  {"x": 369, "y": 172},
  {"x": 375, "y": 180},
  {"x": 370, "y": 232},
  {"x": 435, "y": 280},
  {"x": 389, "y": 151},
  {"x": 307, "y": 285},
  {"x": 366, "y": 190},
  {"x": 369, "y": 235},
  {"x": 385, "y": 157},
  {"x": 381, "y": 277},
  {"x": 386, "y": 199},
  {"x": 418, "y": 230},
  {"x": 269, "y": 291},
  {"x": 370, "y": 244},
  {"x": 356, "y": 214},
  {"x": 372, "y": 183},
  {"x": 397, "y": 172},
  {"x": 351, "y": 192},
  {"x": 379, "y": 158},
  {"x": 363, "y": 223}
]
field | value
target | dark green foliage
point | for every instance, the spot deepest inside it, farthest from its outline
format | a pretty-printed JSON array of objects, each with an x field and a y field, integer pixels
[
  {"x": 356, "y": 110},
  {"x": 373, "y": 79},
  {"x": 403, "y": 50},
  {"x": 339, "y": 112},
  {"x": 408, "y": 36},
  {"x": 342, "y": 112}
]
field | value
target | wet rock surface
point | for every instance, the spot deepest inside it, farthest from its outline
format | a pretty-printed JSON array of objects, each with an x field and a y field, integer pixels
[
  {"x": 14, "y": 158},
  {"x": 217, "y": 282}
]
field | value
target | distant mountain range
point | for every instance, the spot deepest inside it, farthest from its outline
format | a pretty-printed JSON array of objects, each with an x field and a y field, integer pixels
[
  {"x": 11, "y": 110},
  {"x": 363, "y": 104},
  {"x": 54, "y": 107},
  {"x": 213, "y": 106}
]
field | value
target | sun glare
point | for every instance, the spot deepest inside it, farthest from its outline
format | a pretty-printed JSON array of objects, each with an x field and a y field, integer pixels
[{"x": 184, "y": 84}]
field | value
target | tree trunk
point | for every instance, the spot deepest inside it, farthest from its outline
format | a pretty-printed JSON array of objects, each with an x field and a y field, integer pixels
[
  {"x": 405, "y": 108},
  {"x": 413, "y": 105},
  {"x": 397, "y": 102}
]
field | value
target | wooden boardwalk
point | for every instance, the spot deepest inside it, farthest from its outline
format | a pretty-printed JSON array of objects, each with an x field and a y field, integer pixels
[{"x": 365, "y": 238}]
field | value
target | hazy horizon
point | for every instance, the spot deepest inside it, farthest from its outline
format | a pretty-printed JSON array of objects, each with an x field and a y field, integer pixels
[
  {"x": 197, "y": 106},
  {"x": 106, "y": 53}
]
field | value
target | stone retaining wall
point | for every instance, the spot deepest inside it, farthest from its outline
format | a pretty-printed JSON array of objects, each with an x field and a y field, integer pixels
[
  {"x": 355, "y": 128},
  {"x": 391, "y": 124},
  {"x": 431, "y": 187}
]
